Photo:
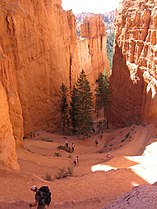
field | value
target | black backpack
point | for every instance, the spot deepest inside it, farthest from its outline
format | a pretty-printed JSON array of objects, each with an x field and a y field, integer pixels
[{"x": 45, "y": 196}]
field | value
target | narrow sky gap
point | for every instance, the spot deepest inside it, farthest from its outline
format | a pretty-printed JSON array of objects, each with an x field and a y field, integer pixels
[{"x": 94, "y": 6}]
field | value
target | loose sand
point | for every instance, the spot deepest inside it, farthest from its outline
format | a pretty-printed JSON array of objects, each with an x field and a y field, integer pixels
[{"x": 96, "y": 182}]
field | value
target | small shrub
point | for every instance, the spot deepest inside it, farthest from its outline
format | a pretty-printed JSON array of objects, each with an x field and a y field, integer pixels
[
  {"x": 65, "y": 148},
  {"x": 63, "y": 173},
  {"x": 70, "y": 171},
  {"x": 48, "y": 177},
  {"x": 101, "y": 151},
  {"x": 47, "y": 140},
  {"x": 69, "y": 156},
  {"x": 57, "y": 154}
]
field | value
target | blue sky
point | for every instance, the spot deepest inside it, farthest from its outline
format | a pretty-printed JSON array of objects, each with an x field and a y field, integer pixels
[{"x": 95, "y": 6}]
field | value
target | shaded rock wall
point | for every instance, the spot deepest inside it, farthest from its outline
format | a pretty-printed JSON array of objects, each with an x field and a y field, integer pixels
[
  {"x": 36, "y": 40},
  {"x": 133, "y": 81}
]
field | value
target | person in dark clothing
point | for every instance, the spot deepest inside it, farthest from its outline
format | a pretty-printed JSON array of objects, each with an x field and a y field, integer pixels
[
  {"x": 96, "y": 142},
  {"x": 74, "y": 162},
  {"x": 66, "y": 143},
  {"x": 93, "y": 129},
  {"x": 37, "y": 201},
  {"x": 73, "y": 147},
  {"x": 100, "y": 136}
]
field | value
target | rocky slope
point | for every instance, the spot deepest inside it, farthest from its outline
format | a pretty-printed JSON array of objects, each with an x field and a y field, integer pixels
[
  {"x": 142, "y": 197},
  {"x": 39, "y": 50},
  {"x": 133, "y": 81}
]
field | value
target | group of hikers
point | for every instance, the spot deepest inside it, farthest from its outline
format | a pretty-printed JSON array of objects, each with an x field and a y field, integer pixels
[
  {"x": 96, "y": 141},
  {"x": 72, "y": 146},
  {"x": 76, "y": 161},
  {"x": 34, "y": 134},
  {"x": 43, "y": 194}
]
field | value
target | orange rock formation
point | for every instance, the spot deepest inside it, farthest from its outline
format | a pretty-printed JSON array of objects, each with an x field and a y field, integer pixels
[
  {"x": 7, "y": 141},
  {"x": 39, "y": 50},
  {"x": 133, "y": 81},
  {"x": 93, "y": 47}
]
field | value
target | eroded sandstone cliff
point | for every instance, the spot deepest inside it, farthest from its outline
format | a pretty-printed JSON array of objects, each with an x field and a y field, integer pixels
[
  {"x": 39, "y": 50},
  {"x": 7, "y": 141},
  {"x": 35, "y": 50},
  {"x": 133, "y": 81},
  {"x": 93, "y": 47}
]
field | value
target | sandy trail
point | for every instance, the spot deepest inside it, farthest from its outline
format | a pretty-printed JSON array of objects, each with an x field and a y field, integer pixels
[{"x": 86, "y": 189}]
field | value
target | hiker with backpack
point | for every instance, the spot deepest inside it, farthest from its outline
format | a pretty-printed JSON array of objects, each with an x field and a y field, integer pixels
[{"x": 42, "y": 197}]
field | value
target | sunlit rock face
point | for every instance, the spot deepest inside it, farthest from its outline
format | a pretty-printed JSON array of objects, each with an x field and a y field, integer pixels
[
  {"x": 133, "y": 81},
  {"x": 39, "y": 49},
  {"x": 8, "y": 80},
  {"x": 37, "y": 40},
  {"x": 92, "y": 48},
  {"x": 7, "y": 141}
]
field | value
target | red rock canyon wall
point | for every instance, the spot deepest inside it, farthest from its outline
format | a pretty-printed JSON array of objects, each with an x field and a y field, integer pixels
[
  {"x": 39, "y": 50},
  {"x": 134, "y": 76},
  {"x": 92, "y": 48}
]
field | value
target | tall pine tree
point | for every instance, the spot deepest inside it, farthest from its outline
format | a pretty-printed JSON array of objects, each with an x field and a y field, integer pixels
[
  {"x": 64, "y": 108},
  {"x": 74, "y": 110},
  {"x": 82, "y": 106},
  {"x": 102, "y": 94}
]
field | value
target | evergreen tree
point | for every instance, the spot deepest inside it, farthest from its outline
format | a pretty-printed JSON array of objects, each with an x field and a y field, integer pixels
[
  {"x": 110, "y": 46},
  {"x": 74, "y": 110},
  {"x": 64, "y": 108},
  {"x": 82, "y": 106},
  {"x": 102, "y": 94}
]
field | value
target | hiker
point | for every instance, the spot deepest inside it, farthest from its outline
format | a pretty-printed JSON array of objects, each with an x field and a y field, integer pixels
[
  {"x": 100, "y": 136},
  {"x": 34, "y": 134},
  {"x": 73, "y": 147},
  {"x": 42, "y": 197},
  {"x": 96, "y": 142},
  {"x": 37, "y": 133},
  {"x": 93, "y": 129},
  {"x": 31, "y": 134},
  {"x": 77, "y": 161},
  {"x": 66, "y": 143},
  {"x": 108, "y": 155},
  {"x": 74, "y": 162}
]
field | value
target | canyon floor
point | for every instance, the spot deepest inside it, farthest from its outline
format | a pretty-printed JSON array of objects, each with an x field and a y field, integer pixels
[{"x": 96, "y": 182}]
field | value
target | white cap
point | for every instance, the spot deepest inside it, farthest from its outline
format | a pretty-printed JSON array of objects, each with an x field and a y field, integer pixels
[{"x": 34, "y": 187}]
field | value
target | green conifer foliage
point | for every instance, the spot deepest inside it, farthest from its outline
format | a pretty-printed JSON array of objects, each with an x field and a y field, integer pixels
[
  {"x": 102, "y": 94},
  {"x": 64, "y": 108},
  {"x": 74, "y": 110},
  {"x": 82, "y": 106}
]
